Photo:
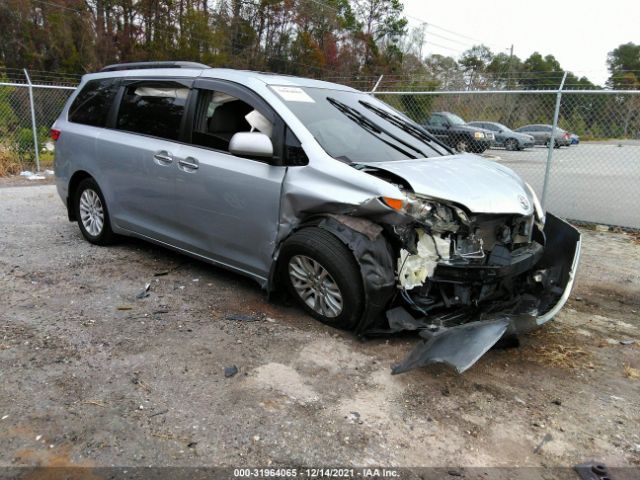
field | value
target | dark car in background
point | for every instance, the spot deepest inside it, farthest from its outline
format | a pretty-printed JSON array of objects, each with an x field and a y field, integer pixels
[
  {"x": 455, "y": 132},
  {"x": 542, "y": 135},
  {"x": 505, "y": 137}
]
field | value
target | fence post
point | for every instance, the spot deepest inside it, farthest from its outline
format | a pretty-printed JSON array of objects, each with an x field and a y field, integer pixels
[
  {"x": 375, "y": 87},
  {"x": 34, "y": 127},
  {"x": 552, "y": 142}
]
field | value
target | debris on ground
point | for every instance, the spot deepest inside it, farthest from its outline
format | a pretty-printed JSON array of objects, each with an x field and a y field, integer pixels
[
  {"x": 144, "y": 293},
  {"x": 632, "y": 373},
  {"x": 230, "y": 371},
  {"x": 545, "y": 439}
]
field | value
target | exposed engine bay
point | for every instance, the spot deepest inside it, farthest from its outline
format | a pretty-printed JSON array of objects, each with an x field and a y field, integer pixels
[
  {"x": 449, "y": 259},
  {"x": 463, "y": 281}
]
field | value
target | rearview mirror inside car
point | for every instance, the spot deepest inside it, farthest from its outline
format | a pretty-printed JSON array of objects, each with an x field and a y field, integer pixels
[{"x": 251, "y": 144}]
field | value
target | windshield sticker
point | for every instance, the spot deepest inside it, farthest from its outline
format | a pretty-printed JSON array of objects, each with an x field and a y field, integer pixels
[{"x": 293, "y": 94}]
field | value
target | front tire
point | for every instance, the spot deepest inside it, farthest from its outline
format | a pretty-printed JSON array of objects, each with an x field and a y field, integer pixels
[
  {"x": 323, "y": 276},
  {"x": 92, "y": 213},
  {"x": 462, "y": 145}
]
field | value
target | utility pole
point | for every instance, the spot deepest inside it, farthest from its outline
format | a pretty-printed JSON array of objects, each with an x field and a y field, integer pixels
[
  {"x": 423, "y": 29},
  {"x": 509, "y": 84}
]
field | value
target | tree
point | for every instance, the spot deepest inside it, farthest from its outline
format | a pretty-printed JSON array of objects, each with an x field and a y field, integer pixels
[
  {"x": 624, "y": 66},
  {"x": 474, "y": 62},
  {"x": 382, "y": 24}
]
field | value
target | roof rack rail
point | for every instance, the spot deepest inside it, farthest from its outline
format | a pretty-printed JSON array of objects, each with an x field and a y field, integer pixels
[{"x": 143, "y": 65}]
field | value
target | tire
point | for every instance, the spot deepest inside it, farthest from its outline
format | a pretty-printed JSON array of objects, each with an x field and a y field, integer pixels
[
  {"x": 92, "y": 213},
  {"x": 555, "y": 144},
  {"x": 462, "y": 145},
  {"x": 313, "y": 244},
  {"x": 511, "y": 144}
]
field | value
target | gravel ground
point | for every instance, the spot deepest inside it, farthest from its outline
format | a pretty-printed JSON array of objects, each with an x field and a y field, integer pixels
[{"x": 93, "y": 376}]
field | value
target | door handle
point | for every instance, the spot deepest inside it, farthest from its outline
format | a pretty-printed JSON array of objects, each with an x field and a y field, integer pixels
[
  {"x": 163, "y": 157},
  {"x": 189, "y": 164}
]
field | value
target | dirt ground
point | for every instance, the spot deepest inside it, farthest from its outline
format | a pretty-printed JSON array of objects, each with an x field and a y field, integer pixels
[{"x": 93, "y": 376}]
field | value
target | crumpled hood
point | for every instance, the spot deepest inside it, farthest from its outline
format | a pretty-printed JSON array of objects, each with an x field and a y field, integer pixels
[{"x": 481, "y": 185}]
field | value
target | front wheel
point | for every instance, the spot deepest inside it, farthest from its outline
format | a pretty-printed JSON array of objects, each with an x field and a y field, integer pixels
[
  {"x": 92, "y": 213},
  {"x": 323, "y": 276},
  {"x": 462, "y": 145}
]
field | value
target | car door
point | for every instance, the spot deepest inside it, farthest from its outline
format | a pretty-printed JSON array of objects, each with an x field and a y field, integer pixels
[
  {"x": 540, "y": 134},
  {"x": 228, "y": 206},
  {"x": 497, "y": 132},
  {"x": 137, "y": 155},
  {"x": 438, "y": 126}
]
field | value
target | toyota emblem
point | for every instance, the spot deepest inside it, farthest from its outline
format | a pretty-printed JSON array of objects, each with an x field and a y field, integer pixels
[{"x": 524, "y": 203}]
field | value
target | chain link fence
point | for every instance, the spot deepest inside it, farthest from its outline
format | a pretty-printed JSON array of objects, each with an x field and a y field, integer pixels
[
  {"x": 27, "y": 111},
  {"x": 592, "y": 177},
  {"x": 594, "y": 174}
]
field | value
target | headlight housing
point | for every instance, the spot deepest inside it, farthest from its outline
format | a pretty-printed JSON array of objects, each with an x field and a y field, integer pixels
[
  {"x": 540, "y": 215},
  {"x": 438, "y": 216},
  {"x": 478, "y": 135}
]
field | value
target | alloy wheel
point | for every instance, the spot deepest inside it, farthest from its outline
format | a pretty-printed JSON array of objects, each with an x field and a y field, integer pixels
[
  {"x": 91, "y": 212},
  {"x": 315, "y": 286}
]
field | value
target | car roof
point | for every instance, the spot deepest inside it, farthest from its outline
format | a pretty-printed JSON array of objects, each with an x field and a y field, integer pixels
[{"x": 239, "y": 76}]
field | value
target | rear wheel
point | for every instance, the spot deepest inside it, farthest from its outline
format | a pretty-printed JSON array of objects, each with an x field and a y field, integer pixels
[
  {"x": 511, "y": 144},
  {"x": 323, "y": 276},
  {"x": 92, "y": 214}
]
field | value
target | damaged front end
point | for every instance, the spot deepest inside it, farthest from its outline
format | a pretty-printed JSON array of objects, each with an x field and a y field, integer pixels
[
  {"x": 467, "y": 280},
  {"x": 459, "y": 279}
]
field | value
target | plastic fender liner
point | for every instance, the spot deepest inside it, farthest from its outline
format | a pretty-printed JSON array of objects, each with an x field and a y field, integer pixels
[{"x": 375, "y": 259}]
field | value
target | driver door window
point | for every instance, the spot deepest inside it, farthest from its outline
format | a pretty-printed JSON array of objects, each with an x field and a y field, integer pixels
[
  {"x": 438, "y": 121},
  {"x": 220, "y": 116}
]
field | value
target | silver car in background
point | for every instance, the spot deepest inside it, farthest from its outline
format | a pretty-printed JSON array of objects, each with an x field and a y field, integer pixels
[
  {"x": 316, "y": 191},
  {"x": 542, "y": 135}
]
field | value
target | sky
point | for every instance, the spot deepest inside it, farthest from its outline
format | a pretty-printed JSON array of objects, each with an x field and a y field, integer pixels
[{"x": 579, "y": 33}]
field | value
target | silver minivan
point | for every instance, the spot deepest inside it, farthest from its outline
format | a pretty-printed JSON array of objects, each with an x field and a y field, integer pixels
[{"x": 319, "y": 192}]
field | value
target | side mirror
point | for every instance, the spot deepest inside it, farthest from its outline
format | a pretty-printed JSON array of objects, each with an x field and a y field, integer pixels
[
  {"x": 447, "y": 126},
  {"x": 251, "y": 144}
]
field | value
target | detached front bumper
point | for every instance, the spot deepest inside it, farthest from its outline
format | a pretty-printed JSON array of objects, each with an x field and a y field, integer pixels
[
  {"x": 461, "y": 345},
  {"x": 562, "y": 254}
]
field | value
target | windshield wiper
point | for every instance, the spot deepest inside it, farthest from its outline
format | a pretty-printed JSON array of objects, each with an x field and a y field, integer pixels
[
  {"x": 401, "y": 123},
  {"x": 373, "y": 128}
]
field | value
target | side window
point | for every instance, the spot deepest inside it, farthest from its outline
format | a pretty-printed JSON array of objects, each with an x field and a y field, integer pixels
[
  {"x": 153, "y": 108},
  {"x": 437, "y": 120},
  {"x": 220, "y": 116},
  {"x": 92, "y": 104}
]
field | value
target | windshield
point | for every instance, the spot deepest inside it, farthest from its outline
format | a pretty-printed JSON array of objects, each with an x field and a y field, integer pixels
[
  {"x": 455, "y": 120},
  {"x": 357, "y": 128},
  {"x": 502, "y": 127}
]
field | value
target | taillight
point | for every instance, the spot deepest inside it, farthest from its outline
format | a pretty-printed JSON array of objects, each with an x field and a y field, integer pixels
[
  {"x": 55, "y": 134},
  {"x": 566, "y": 135}
]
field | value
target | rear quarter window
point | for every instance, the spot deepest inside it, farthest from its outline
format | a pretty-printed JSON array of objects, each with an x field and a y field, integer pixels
[{"x": 92, "y": 104}]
